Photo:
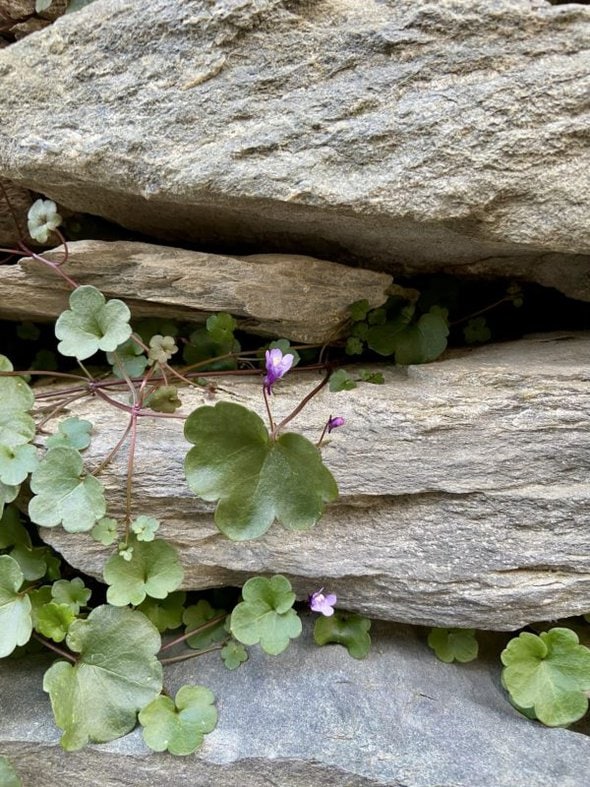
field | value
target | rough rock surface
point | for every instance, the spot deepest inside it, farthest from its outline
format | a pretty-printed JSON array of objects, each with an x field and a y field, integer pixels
[
  {"x": 405, "y": 135},
  {"x": 315, "y": 716},
  {"x": 464, "y": 490},
  {"x": 297, "y": 297},
  {"x": 20, "y": 201}
]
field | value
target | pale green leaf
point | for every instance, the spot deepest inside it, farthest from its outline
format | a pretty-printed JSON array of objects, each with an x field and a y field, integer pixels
[
  {"x": 63, "y": 494},
  {"x": 340, "y": 380},
  {"x": 265, "y": 615},
  {"x": 116, "y": 674},
  {"x": 453, "y": 644},
  {"x": 179, "y": 726},
  {"x": 7, "y": 495},
  {"x": 32, "y": 561},
  {"x": 145, "y": 527},
  {"x": 16, "y": 463},
  {"x": 154, "y": 570},
  {"x": 128, "y": 355},
  {"x": 72, "y": 433},
  {"x": 234, "y": 654},
  {"x": 165, "y": 614},
  {"x": 164, "y": 399},
  {"x": 549, "y": 673},
  {"x": 73, "y": 592},
  {"x": 16, "y": 622},
  {"x": 53, "y": 620},
  {"x": 92, "y": 324},
  {"x": 105, "y": 531},
  {"x": 197, "y": 615},
  {"x": 344, "y": 628},
  {"x": 255, "y": 479}
]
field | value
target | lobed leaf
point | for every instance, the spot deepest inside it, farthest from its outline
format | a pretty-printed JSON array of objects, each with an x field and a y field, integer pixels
[
  {"x": 550, "y": 674},
  {"x": 197, "y": 615},
  {"x": 179, "y": 726},
  {"x": 265, "y": 615},
  {"x": 116, "y": 674},
  {"x": 72, "y": 433},
  {"x": 234, "y": 654},
  {"x": 453, "y": 644},
  {"x": 165, "y": 614},
  {"x": 91, "y": 324},
  {"x": 153, "y": 570},
  {"x": 63, "y": 495},
  {"x": 344, "y": 628},
  {"x": 16, "y": 463},
  {"x": 53, "y": 620},
  {"x": 255, "y": 479},
  {"x": 16, "y": 623}
]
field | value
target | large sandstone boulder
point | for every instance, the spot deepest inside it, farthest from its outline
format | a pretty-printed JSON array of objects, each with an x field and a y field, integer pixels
[
  {"x": 464, "y": 490},
  {"x": 314, "y": 717},
  {"x": 405, "y": 134}
]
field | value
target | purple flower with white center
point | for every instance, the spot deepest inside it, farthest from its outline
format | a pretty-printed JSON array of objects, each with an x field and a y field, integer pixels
[
  {"x": 324, "y": 604},
  {"x": 335, "y": 422},
  {"x": 277, "y": 365}
]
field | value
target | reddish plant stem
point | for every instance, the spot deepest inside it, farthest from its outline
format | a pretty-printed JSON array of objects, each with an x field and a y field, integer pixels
[
  {"x": 268, "y": 410},
  {"x": 113, "y": 452},
  {"x": 300, "y": 406},
  {"x": 54, "y": 648},
  {"x": 61, "y": 407},
  {"x": 209, "y": 624}
]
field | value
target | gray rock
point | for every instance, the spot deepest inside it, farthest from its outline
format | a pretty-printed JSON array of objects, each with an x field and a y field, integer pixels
[
  {"x": 20, "y": 202},
  {"x": 315, "y": 716},
  {"x": 408, "y": 135},
  {"x": 464, "y": 490},
  {"x": 286, "y": 295}
]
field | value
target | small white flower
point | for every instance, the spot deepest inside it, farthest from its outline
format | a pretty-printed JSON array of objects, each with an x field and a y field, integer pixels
[{"x": 42, "y": 219}]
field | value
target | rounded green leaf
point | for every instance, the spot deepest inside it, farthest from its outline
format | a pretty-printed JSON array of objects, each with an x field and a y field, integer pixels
[
  {"x": 344, "y": 628},
  {"x": 7, "y": 495},
  {"x": 16, "y": 463},
  {"x": 145, "y": 527},
  {"x": 197, "y": 615},
  {"x": 549, "y": 673},
  {"x": 105, "y": 531},
  {"x": 71, "y": 592},
  {"x": 165, "y": 614},
  {"x": 117, "y": 673},
  {"x": 453, "y": 644},
  {"x": 424, "y": 341},
  {"x": 234, "y": 654},
  {"x": 92, "y": 324},
  {"x": 179, "y": 726},
  {"x": 72, "y": 433},
  {"x": 31, "y": 560},
  {"x": 53, "y": 620},
  {"x": 12, "y": 531},
  {"x": 266, "y": 615},
  {"x": 15, "y": 394},
  {"x": 63, "y": 494},
  {"x": 153, "y": 570},
  {"x": 130, "y": 356},
  {"x": 340, "y": 380},
  {"x": 16, "y": 623},
  {"x": 255, "y": 479}
]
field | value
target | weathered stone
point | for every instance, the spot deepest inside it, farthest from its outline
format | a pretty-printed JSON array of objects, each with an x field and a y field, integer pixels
[
  {"x": 315, "y": 716},
  {"x": 464, "y": 490},
  {"x": 297, "y": 297},
  {"x": 20, "y": 202},
  {"x": 405, "y": 134}
]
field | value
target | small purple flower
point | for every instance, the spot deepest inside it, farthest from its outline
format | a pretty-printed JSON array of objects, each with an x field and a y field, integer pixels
[
  {"x": 321, "y": 603},
  {"x": 335, "y": 422},
  {"x": 277, "y": 365}
]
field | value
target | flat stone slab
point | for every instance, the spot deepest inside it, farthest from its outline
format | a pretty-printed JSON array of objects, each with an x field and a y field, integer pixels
[
  {"x": 315, "y": 716},
  {"x": 288, "y": 295},
  {"x": 406, "y": 134},
  {"x": 464, "y": 489}
]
